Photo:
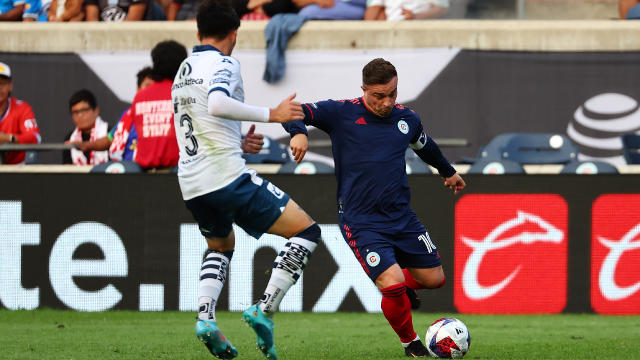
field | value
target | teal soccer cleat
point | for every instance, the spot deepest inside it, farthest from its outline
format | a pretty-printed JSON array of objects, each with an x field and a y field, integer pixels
[
  {"x": 209, "y": 333},
  {"x": 263, "y": 326}
]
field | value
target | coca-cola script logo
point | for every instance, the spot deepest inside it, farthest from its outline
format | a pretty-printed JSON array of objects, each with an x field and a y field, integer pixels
[
  {"x": 510, "y": 254},
  {"x": 615, "y": 254}
]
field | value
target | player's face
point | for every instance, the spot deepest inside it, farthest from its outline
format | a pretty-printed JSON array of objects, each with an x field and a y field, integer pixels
[
  {"x": 84, "y": 116},
  {"x": 380, "y": 98},
  {"x": 6, "y": 86}
]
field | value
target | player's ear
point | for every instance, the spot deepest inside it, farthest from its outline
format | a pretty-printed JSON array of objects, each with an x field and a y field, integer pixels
[{"x": 364, "y": 89}]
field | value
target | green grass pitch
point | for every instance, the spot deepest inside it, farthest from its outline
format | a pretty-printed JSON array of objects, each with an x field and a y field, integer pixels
[{"x": 53, "y": 334}]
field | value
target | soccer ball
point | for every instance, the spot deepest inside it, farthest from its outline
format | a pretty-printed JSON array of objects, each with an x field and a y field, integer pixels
[{"x": 448, "y": 338}]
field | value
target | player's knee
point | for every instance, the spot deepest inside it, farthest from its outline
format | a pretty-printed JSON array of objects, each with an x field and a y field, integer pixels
[
  {"x": 438, "y": 283},
  {"x": 311, "y": 233}
]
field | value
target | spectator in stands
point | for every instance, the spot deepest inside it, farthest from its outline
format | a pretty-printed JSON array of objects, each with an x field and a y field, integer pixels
[
  {"x": 152, "y": 110},
  {"x": 332, "y": 9},
  {"x": 89, "y": 127},
  {"x": 263, "y": 9},
  {"x": 66, "y": 10},
  {"x": 11, "y": 10},
  {"x": 17, "y": 122},
  {"x": 394, "y": 10},
  {"x": 629, "y": 9},
  {"x": 36, "y": 10},
  {"x": 123, "y": 10},
  {"x": 122, "y": 140},
  {"x": 182, "y": 10}
]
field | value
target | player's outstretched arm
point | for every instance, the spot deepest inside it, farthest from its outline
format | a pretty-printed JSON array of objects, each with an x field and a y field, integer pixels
[
  {"x": 287, "y": 110},
  {"x": 221, "y": 105}
]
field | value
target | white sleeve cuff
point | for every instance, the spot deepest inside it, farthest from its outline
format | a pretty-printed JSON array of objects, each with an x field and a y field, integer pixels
[{"x": 221, "y": 105}]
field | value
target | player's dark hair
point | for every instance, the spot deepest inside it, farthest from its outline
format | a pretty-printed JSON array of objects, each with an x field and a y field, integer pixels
[
  {"x": 146, "y": 72},
  {"x": 216, "y": 19},
  {"x": 378, "y": 71},
  {"x": 83, "y": 95},
  {"x": 167, "y": 57}
]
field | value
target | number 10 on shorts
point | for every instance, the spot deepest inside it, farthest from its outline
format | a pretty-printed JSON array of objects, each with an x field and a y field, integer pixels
[{"x": 426, "y": 239}]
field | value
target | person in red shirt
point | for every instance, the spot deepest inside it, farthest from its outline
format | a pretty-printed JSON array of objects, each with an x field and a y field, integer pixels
[
  {"x": 152, "y": 110},
  {"x": 17, "y": 122}
]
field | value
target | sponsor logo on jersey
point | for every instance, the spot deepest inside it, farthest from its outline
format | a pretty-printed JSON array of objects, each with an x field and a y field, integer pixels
[
  {"x": 615, "y": 254},
  {"x": 403, "y": 127},
  {"x": 510, "y": 253},
  {"x": 186, "y": 70},
  {"x": 187, "y": 82},
  {"x": 373, "y": 259}
]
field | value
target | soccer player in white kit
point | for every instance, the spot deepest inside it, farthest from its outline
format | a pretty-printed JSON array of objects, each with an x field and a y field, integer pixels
[{"x": 219, "y": 189}]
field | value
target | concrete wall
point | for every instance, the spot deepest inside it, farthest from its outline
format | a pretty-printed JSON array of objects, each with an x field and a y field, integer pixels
[{"x": 506, "y": 35}]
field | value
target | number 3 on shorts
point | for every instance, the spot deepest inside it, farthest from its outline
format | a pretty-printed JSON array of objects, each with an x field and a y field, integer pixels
[{"x": 275, "y": 191}]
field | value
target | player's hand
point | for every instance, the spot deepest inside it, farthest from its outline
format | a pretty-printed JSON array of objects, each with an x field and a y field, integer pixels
[
  {"x": 252, "y": 143},
  {"x": 455, "y": 183},
  {"x": 408, "y": 14},
  {"x": 299, "y": 144},
  {"x": 288, "y": 110}
]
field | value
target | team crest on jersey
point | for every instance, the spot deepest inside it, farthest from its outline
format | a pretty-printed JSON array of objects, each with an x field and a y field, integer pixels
[
  {"x": 403, "y": 126},
  {"x": 373, "y": 259}
]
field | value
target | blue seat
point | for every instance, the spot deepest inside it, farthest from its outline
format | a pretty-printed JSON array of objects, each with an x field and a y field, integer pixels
[
  {"x": 589, "y": 168},
  {"x": 495, "y": 167},
  {"x": 417, "y": 166},
  {"x": 272, "y": 152},
  {"x": 631, "y": 148},
  {"x": 530, "y": 148},
  {"x": 305, "y": 168},
  {"x": 30, "y": 157},
  {"x": 117, "y": 167}
]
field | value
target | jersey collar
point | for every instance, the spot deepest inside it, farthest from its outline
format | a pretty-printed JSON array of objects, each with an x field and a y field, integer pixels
[
  {"x": 200, "y": 48},
  {"x": 374, "y": 114}
]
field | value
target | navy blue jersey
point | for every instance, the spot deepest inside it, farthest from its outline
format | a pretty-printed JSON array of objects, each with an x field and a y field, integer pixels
[{"x": 369, "y": 155}]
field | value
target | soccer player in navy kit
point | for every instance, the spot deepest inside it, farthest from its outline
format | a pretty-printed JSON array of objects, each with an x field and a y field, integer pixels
[{"x": 369, "y": 137}]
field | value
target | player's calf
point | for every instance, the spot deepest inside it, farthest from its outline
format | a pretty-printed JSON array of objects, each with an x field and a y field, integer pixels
[{"x": 288, "y": 267}]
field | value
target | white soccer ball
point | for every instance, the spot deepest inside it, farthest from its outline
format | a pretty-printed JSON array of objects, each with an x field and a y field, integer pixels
[{"x": 448, "y": 338}]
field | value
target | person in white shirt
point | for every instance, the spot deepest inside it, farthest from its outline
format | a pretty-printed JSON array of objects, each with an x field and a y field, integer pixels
[
  {"x": 220, "y": 190},
  {"x": 394, "y": 10}
]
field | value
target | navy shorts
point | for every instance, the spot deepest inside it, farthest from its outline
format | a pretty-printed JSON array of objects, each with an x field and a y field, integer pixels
[
  {"x": 250, "y": 201},
  {"x": 376, "y": 251}
]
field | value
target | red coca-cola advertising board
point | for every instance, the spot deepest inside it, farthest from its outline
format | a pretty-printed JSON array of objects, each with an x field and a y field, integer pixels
[{"x": 510, "y": 253}]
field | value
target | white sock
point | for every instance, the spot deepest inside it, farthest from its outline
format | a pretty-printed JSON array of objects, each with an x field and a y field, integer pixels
[
  {"x": 287, "y": 268},
  {"x": 407, "y": 344},
  {"x": 213, "y": 274}
]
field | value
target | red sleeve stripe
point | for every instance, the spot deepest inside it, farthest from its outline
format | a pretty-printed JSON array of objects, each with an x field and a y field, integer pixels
[{"x": 311, "y": 112}]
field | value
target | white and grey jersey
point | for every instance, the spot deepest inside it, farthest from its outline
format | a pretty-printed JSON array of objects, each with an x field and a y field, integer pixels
[{"x": 210, "y": 147}]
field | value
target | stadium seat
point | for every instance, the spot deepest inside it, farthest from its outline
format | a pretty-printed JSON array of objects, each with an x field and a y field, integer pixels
[
  {"x": 530, "y": 148},
  {"x": 417, "y": 166},
  {"x": 30, "y": 157},
  {"x": 117, "y": 167},
  {"x": 305, "y": 168},
  {"x": 272, "y": 152},
  {"x": 589, "y": 168},
  {"x": 495, "y": 167},
  {"x": 631, "y": 148}
]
